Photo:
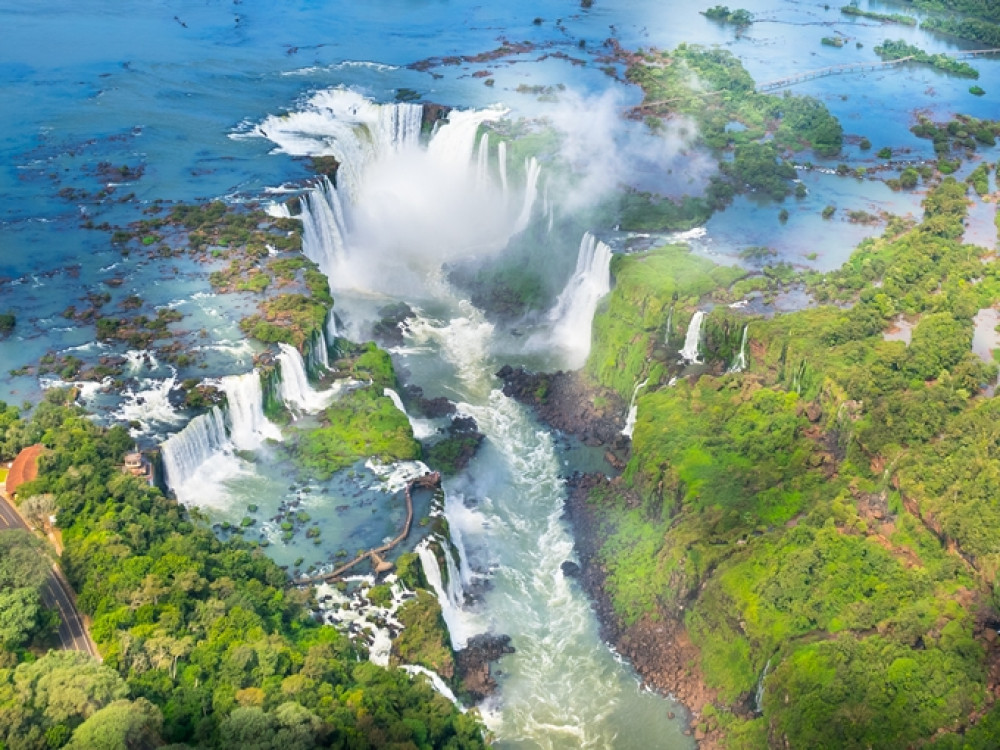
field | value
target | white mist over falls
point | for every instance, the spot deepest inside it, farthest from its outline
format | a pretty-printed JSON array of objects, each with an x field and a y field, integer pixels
[{"x": 404, "y": 204}]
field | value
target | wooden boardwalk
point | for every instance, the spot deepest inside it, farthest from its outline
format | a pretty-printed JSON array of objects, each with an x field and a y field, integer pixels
[
  {"x": 860, "y": 67},
  {"x": 427, "y": 481}
]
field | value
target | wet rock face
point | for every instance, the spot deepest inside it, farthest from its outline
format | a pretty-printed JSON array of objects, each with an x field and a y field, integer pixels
[
  {"x": 473, "y": 663},
  {"x": 565, "y": 401},
  {"x": 388, "y": 331},
  {"x": 432, "y": 408}
]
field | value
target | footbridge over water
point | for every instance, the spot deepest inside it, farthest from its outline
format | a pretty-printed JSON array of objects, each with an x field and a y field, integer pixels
[{"x": 859, "y": 67}]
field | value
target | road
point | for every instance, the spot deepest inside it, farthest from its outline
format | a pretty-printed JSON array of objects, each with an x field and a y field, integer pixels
[{"x": 56, "y": 593}]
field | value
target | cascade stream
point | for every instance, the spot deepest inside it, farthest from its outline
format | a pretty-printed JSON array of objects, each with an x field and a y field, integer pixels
[{"x": 562, "y": 688}]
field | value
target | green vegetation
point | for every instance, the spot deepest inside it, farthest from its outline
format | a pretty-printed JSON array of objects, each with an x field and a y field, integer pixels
[
  {"x": 723, "y": 93},
  {"x": 966, "y": 28},
  {"x": 287, "y": 318},
  {"x": 722, "y": 14},
  {"x": 7, "y": 323},
  {"x": 424, "y": 640},
  {"x": 361, "y": 423},
  {"x": 629, "y": 325},
  {"x": 832, "y": 41},
  {"x": 961, "y": 132},
  {"x": 980, "y": 8},
  {"x": 977, "y": 90},
  {"x": 900, "y": 18},
  {"x": 897, "y": 50},
  {"x": 203, "y": 641},
  {"x": 644, "y": 212},
  {"x": 980, "y": 179},
  {"x": 834, "y": 512}
]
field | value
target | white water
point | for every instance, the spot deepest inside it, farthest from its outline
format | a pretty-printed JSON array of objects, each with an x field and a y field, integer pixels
[
  {"x": 633, "y": 410},
  {"x": 149, "y": 405},
  {"x": 412, "y": 211},
  {"x": 690, "y": 351},
  {"x": 299, "y": 396},
  {"x": 573, "y": 312},
  {"x": 740, "y": 363},
  {"x": 199, "y": 459},
  {"x": 422, "y": 428},
  {"x": 461, "y": 627},
  {"x": 436, "y": 681},
  {"x": 399, "y": 209},
  {"x": 248, "y": 427}
]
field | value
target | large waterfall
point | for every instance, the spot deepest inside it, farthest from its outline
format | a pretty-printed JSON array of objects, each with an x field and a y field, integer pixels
[
  {"x": 573, "y": 312},
  {"x": 693, "y": 338},
  {"x": 409, "y": 210},
  {"x": 398, "y": 208},
  {"x": 248, "y": 427},
  {"x": 199, "y": 459}
]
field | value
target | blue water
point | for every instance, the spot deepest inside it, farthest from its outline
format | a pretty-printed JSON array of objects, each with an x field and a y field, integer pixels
[{"x": 165, "y": 85}]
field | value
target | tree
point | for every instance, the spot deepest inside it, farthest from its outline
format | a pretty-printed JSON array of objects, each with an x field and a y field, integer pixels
[{"x": 121, "y": 725}]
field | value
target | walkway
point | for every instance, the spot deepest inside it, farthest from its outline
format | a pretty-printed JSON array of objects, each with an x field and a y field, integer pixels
[
  {"x": 858, "y": 67},
  {"x": 427, "y": 481}
]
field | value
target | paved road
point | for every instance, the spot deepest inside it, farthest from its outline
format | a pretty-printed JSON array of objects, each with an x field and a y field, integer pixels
[{"x": 56, "y": 593}]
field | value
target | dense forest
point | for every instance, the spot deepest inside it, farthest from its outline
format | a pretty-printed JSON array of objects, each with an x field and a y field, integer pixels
[
  {"x": 825, "y": 523},
  {"x": 204, "y": 642}
]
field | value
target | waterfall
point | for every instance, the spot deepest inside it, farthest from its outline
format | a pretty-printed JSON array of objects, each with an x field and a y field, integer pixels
[
  {"x": 439, "y": 685},
  {"x": 248, "y": 427},
  {"x": 690, "y": 351},
  {"x": 633, "y": 410},
  {"x": 532, "y": 170},
  {"x": 502, "y": 167},
  {"x": 759, "y": 695},
  {"x": 482, "y": 167},
  {"x": 324, "y": 228},
  {"x": 459, "y": 517},
  {"x": 296, "y": 392},
  {"x": 331, "y": 326},
  {"x": 451, "y": 604},
  {"x": 670, "y": 326},
  {"x": 199, "y": 459},
  {"x": 319, "y": 355},
  {"x": 740, "y": 363},
  {"x": 422, "y": 428},
  {"x": 573, "y": 312}
]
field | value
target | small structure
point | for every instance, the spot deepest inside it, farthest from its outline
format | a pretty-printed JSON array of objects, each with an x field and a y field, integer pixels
[
  {"x": 24, "y": 468},
  {"x": 138, "y": 465}
]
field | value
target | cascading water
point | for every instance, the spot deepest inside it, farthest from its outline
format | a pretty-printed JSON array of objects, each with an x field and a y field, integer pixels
[
  {"x": 502, "y": 168},
  {"x": 319, "y": 354},
  {"x": 409, "y": 213},
  {"x": 670, "y": 327},
  {"x": 740, "y": 363},
  {"x": 324, "y": 228},
  {"x": 298, "y": 395},
  {"x": 573, "y": 312},
  {"x": 460, "y": 626},
  {"x": 199, "y": 459},
  {"x": 531, "y": 170},
  {"x": 248, "y": 427},
  {"x": 422, "y": 428},
  {"x": 758, "y": 698},
  {"x": 693, "y": 338},
  {"x": 633, "y": 410}
]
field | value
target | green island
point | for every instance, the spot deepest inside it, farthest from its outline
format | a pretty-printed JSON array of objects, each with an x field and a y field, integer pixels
[
  {"x": 898, "y": 50},
  {"x": 722, "y": 13},
  {"x": 900, "y": 18}
]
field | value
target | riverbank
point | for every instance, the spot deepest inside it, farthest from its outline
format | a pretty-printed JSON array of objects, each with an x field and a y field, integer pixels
[{"x": 658, "y": 647}]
